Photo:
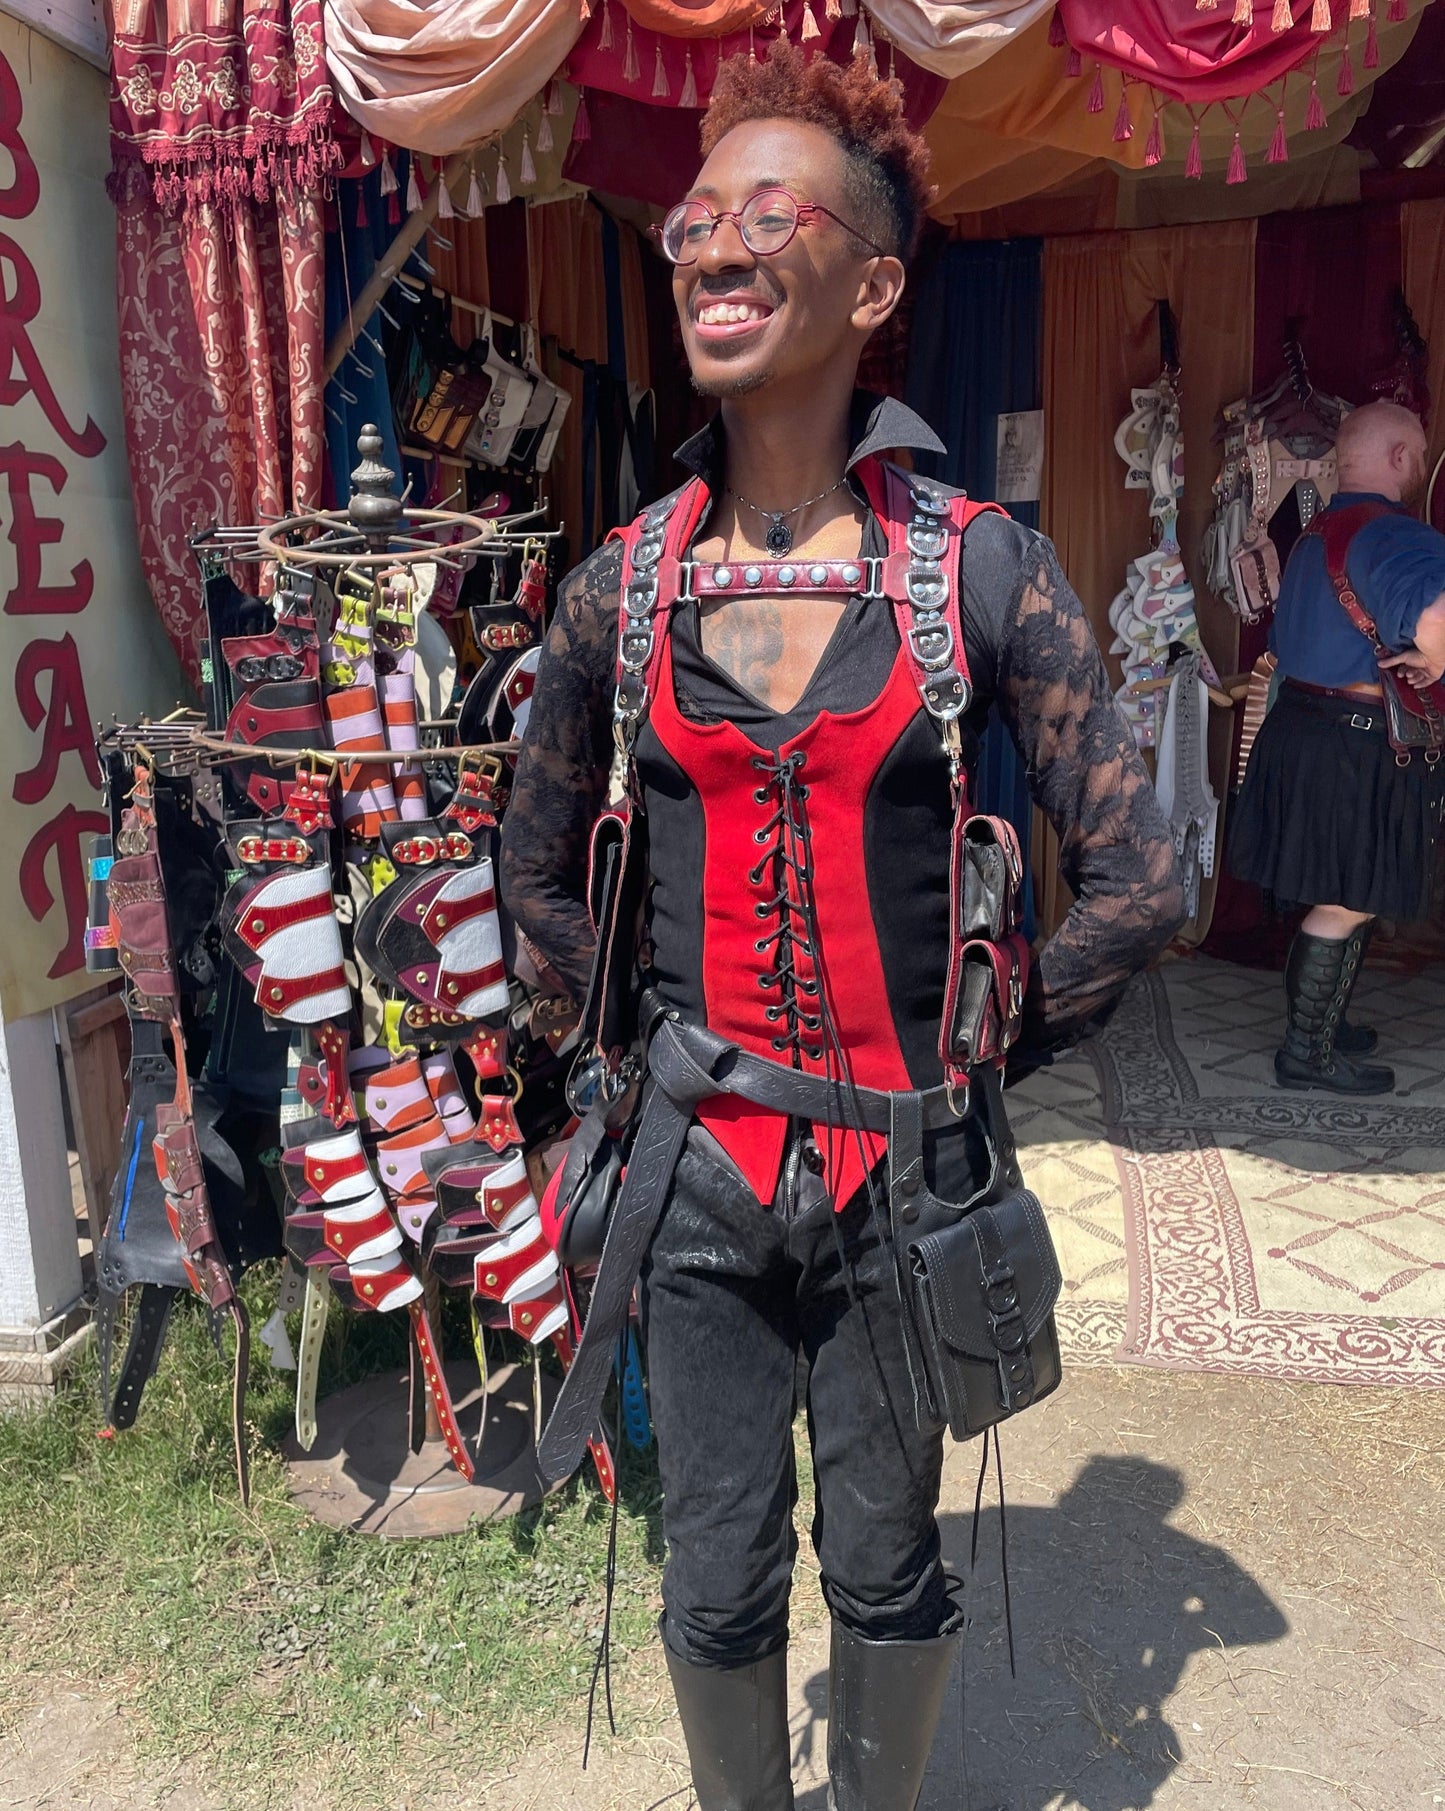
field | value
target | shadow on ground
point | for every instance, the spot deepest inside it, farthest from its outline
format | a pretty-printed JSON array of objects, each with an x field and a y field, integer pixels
[{"x": 1110, "y": 1601}]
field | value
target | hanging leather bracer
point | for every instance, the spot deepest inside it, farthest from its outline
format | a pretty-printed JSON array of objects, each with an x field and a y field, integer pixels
[
  {"x": 137, "y": 902},
  {"x": 281, "y": 931}
]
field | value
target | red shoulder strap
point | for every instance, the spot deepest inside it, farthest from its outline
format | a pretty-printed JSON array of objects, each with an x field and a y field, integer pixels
[{"x": 1337, "y": 528}]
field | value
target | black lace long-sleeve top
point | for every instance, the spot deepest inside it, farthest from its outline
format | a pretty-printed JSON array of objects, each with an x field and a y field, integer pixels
[{"x": 1029, "y": 647}]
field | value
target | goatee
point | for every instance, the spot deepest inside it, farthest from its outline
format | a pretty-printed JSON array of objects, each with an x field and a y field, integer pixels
[{"x": 725, "y": 388}]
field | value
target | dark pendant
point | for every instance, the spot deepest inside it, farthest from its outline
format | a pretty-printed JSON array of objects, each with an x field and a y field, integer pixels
[{"x": 779, "y": 538}]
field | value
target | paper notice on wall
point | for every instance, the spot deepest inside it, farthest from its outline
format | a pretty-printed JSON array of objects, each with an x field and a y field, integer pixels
[{"x": 1020, "y": 456}]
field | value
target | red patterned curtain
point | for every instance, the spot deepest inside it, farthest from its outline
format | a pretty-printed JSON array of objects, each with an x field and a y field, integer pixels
[{"x": 220, "y": 124}]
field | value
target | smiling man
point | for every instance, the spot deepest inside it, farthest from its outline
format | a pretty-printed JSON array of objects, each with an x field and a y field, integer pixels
[{"x": 799, "y": 767}]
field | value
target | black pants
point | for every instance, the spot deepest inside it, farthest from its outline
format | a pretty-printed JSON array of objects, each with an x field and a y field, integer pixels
[{"x": 733, "y": 1291}]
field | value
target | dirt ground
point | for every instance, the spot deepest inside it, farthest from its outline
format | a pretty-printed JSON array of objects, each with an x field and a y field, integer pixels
[{"x": 1226, "y": 1593}]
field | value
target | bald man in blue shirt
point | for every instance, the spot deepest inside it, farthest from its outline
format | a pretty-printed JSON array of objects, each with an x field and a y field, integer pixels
[{"x": 1328, "y": 817}]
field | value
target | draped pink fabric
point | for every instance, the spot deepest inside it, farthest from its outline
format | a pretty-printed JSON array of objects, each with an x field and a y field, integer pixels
[
  {"x": 442, "y": 78},
  {"x": 951, "y": 39},
  {"x": 1199, "y": 56},
  {"x": 221, "y": 140},
  {"x": 617, "y": 56}
]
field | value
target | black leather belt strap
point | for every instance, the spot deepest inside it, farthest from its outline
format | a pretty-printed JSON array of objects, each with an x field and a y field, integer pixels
[
  {"x": 143, "y": 1349},
  {"x": 687, "y": 1064}
]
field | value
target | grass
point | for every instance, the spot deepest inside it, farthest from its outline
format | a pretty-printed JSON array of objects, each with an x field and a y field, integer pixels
[{"x": 272, "y": 1644}]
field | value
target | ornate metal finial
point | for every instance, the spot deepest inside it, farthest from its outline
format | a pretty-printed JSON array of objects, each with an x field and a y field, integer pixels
[{"x": 373, "y": 508}]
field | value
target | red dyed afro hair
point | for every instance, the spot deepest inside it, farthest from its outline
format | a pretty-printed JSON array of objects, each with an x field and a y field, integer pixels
[{"x": 887, "y": 160}]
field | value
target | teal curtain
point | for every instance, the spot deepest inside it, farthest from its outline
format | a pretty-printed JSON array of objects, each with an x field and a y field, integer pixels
[{"x": 975, "y": 353}]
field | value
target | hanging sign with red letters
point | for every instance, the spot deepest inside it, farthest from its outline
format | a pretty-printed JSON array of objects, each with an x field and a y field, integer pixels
[{"x": 79, "y": 638}]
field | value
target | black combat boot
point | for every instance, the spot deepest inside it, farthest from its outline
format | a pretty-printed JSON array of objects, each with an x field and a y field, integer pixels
[
  {"x": 1319, "y": 976},
  {"x": 884, "y": 1702},
  {"x": 1358, "y": 1040},
  {"x": 735, "y": 1720}
]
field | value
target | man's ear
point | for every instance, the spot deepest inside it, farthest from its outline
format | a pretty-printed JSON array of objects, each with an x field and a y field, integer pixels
[{"x": 879, "y": 292}]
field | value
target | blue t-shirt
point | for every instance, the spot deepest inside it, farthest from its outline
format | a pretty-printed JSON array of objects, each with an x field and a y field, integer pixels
[{"x": 1396, "y": 566}]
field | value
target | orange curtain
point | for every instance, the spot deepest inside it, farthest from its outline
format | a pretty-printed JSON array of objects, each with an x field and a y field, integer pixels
[
  {"x": 1422, "y": 234},
  {"x": 1101, "y": 338}
]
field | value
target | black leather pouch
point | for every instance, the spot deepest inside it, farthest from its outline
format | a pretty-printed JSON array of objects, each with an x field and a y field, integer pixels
[
  {"x": 978, "y": 1281},
  {"x": 983, "y": 1297}
]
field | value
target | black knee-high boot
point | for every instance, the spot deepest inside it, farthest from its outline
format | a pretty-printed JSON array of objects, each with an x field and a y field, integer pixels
[
  {"x": 1319, "y": 977},
  {"x": 884, "y": 1702},
  {"x": 1358, "y": 1040},
  {"x": 735, "y": 1720}
]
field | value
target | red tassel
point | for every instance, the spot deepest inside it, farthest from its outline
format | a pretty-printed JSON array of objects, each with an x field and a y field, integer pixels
[
  {"x": 1123, "y": 125},
  {"x": 660, "y": 89},
  {"x": 1371, "y": 58},
  {"x": 393, "y": 208},
  {"x": 1154, "y": 148},
  {"x": 1278, "y": 151},
  {"x": 1346, "y": 84},
  {"x": 582, "y": 124},
  {"x": 631, "y": 68},
  {"x": 1075, "y": 64},
  {"x": 688, "y": 97},
  {"x": 605, "y": 39},
  {"x": 1315, "y": 113},
  {"x": 1096, "y": 93},
  {"x": 1058, "y": 37},
  {"x": 1194, "y": 162},
  {"x": 1237, "y": 170},
  {"x": 1397, "y": 12},
  {"x": 361, "y": 219}
]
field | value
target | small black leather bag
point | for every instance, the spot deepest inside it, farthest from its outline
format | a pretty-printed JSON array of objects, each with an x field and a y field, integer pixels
[{"x": 978, "y": 1283}]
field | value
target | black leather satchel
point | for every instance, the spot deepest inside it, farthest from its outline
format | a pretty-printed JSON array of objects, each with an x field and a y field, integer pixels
[
  {"x": 983, "y": 1297},
  {"x": 978, "y": 1280}
]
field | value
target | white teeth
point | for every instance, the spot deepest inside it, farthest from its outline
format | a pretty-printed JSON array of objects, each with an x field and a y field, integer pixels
[{"x": 727, "y": 314}]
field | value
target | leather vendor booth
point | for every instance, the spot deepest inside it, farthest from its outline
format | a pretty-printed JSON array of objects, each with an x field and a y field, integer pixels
[{"x": 396, "y": 350}]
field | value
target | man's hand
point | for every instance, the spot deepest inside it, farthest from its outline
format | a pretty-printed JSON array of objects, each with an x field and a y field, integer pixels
[
  {"x": 1425, "y": 662},
  {"x": 1419, "y": 668}
]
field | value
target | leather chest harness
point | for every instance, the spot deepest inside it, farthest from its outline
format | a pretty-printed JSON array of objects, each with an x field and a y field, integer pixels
[{"x": 791, "y": 1053}]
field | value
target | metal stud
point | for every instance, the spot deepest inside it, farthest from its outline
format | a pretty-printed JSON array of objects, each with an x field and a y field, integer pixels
[
  {"x": 851, "y": 575},
  {"x": 753, "y": 575},
  {"x": 722, "y": 577},
  {"x": 787, "y": 575},
  {"x": 819, "y": 575}
]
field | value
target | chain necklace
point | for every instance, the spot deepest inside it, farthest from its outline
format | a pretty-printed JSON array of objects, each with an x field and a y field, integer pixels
[{"x": 778, "y": 538}]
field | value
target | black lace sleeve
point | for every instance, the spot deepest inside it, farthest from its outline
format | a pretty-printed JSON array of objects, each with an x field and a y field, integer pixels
[
  {"x": 562, "y": 771},
  {"x": 1084, "y": 770}
]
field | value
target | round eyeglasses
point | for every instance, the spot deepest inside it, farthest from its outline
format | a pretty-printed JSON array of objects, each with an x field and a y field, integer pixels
[{"x": 766, "y": 222}]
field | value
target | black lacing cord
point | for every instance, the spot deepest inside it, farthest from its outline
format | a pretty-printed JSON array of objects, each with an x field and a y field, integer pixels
[
  {"x": 1008, "y": 1616},
  {"x": 837, "y": 1070}
]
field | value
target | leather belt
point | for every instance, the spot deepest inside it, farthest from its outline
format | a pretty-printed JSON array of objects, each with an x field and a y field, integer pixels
[
  {"x": 1366, "y": 713},
  {"x": 1372, "y": 696},
  {"x": 688, "y": 1064}
]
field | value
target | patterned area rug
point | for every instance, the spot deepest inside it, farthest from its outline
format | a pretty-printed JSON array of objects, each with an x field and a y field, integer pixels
[{"x": 1207, "y": 1220}]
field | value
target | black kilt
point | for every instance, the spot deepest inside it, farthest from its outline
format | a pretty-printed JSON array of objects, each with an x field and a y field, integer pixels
[{"x": 1327, "y": 816}]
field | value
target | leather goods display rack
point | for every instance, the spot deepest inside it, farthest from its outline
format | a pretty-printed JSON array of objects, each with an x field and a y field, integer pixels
[{"x": 341, "y": 1063}]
